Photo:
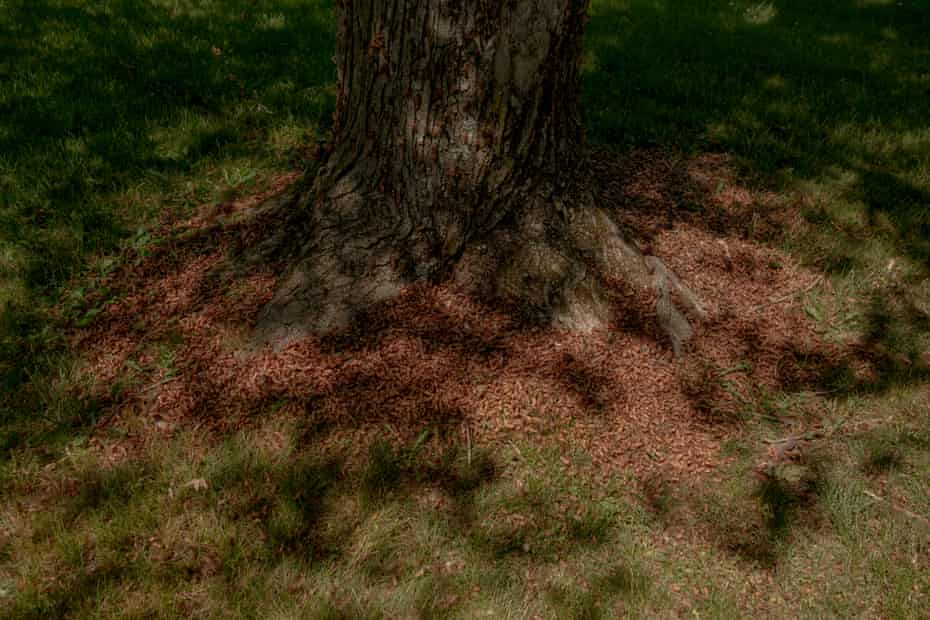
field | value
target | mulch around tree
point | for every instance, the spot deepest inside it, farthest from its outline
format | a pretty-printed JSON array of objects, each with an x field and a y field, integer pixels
[{"x": 174, "y": 335}]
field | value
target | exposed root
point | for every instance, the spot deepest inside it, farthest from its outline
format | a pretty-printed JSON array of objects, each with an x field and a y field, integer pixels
[
  {"x": 436, "y": 357},
  {"x": 594, "y": 231},
  {"x": 561, "y": 264},
  {"x": 327, "y": 288}
]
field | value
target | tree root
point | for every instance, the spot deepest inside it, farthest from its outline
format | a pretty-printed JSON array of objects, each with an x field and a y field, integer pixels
[
  {"x": 552, "y": 260},
  {"x": 594, "y": 231}
]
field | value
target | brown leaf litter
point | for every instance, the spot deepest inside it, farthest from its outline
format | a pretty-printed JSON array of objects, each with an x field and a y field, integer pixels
[{"x": 435, "y": 357}]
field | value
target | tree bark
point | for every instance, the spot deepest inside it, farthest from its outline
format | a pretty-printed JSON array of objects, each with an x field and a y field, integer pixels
[
  {"x": 455, "y": 153},
  {"x": 447, "y": 108}
]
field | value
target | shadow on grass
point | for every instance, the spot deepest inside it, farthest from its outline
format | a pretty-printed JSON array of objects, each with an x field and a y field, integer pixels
[
  {"x": 760, "y": 521},
  {"x": 809, "y": 93},
  {"x": 68, "y": 597},
  {"x": 104, "y": 109},
  {"x": 111, "y": 73},
  {"x": 293, "y": 500},
  {"x": 134, "y": 91},
  {"x": 87, "y": 566},
  {"x": 110, "y": 489},
  {"x": 585, "y": 602},
  {"x": 798, "y": 95},
  {"x": 390, "y": 511}
]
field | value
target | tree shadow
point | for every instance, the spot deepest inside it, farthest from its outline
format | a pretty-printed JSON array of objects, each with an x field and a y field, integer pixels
[
  {"x": 126, "y": 67},
  {"x": 684, "y": 85},
  {"x": 812, "y": 93},
  {"x": 707, "y": 69},
  {"x": 833, "y": 95},
  {"x": 104, "y": 108}
]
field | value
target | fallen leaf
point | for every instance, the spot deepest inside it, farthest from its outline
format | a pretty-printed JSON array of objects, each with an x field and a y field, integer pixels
[{"x": 198, "y": 484}]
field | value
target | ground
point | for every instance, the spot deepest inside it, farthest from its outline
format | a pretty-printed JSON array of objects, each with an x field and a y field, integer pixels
[{"x": 446, "y": 458}]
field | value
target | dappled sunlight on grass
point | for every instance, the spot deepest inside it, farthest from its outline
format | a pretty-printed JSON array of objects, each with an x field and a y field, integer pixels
[
  {"x": 108, "y": 112},
  {"x": 700, "y": 87},
  {"x": 445, "y": 460},
  {"x": 761, "y": 13}
]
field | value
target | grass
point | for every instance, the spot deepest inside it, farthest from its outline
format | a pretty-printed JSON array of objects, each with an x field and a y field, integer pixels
[{"x": 112, "y": 114}]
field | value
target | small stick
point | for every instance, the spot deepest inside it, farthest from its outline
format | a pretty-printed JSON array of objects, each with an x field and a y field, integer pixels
[
  {"x": 810, "y": 435},
  {"x": 778, "y": 300},
  {"x": 900, "y": 509},
  {"x": 157, "y": 383},
  {"x": 795, "y": 438}
]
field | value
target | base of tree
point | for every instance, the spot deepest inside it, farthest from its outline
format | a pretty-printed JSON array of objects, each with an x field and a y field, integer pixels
[{"x": 558, "y": 260}]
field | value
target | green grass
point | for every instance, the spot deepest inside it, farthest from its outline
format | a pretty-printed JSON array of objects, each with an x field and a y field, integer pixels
[
  {"x": 830, "y": 100},
  {"x": 114, "y": 113}
]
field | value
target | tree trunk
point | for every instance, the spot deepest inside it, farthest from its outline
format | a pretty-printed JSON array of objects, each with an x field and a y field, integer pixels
[
  {"x": 455, "y": 153},
  {"x": 448, "y": 108}
]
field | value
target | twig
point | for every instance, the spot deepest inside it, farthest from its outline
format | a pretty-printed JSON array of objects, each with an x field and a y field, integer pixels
[
  {"x": 900, "y": 509},
  {"x": 157, "y": 383},
  {"x": 796, "y": 438},
  {"x": 789, "y": 296},
  {"x": 729, "y": 371},
  {"x": 810, "y": 435}
]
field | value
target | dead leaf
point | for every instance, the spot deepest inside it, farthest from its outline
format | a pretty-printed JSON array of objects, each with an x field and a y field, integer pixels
[{"x": 198, "y": 484}]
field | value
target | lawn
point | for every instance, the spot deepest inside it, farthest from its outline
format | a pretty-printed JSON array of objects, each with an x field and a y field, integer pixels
[{"x": 150, "y": 468}]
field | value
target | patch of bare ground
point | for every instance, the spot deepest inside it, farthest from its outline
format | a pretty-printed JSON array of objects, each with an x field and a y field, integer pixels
[{"x": 435, "y": 356}]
